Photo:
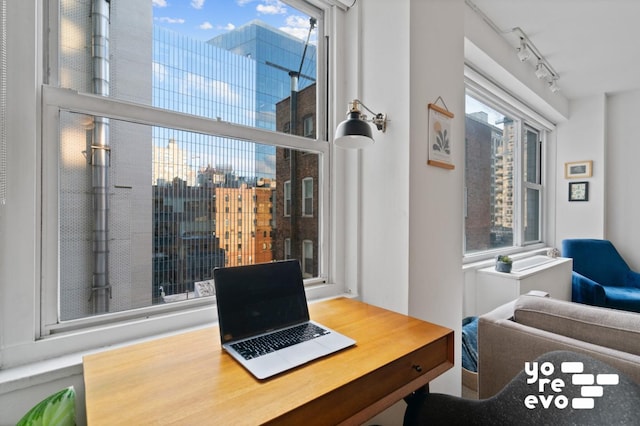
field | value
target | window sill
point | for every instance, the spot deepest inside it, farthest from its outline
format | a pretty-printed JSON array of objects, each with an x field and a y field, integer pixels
[{"x": 484, "y": 259}]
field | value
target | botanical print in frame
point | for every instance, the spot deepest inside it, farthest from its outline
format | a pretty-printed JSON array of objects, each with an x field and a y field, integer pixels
[
  {"x": 439, "y": 137},
  {"x": 578, "y": 191}
]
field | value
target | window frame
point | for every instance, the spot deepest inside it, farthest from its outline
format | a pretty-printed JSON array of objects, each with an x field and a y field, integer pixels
[
  {"x": 55, "y": 100},
  {"x": 486, "y": 91},
  {"x": 536, "y": 186}
]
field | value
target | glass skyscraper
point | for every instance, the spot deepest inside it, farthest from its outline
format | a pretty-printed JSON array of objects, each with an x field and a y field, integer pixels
[
  {"x": 276, "y": 55},
  {"x": 237, "y": 77}
]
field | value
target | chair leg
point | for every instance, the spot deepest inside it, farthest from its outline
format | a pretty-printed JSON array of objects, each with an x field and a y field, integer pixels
[{"x": 419, "y": 393}]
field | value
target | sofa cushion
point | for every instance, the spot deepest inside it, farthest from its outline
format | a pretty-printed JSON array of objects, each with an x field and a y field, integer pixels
[
  {"x": 626, "y": 298},
  {"x": 601, "y": 326}
]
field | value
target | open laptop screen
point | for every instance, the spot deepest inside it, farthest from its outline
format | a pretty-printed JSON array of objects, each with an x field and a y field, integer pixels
[{"x": 254, "y": 299}]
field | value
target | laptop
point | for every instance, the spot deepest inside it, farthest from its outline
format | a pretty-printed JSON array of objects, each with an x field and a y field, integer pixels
[{"x": 267, "y": 302}]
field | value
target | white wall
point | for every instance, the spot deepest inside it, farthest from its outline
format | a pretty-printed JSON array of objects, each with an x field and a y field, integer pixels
[
  {"x": 435, "y": 239},
  {"x": 411, "y": 243},
  {"x": 602, "y": 128},
  {"x": 582, "y": 138},
  {"x": 18, "y": 217},
  {"x": 622, "y": 197},
  {"x": 385, "y": 173}
]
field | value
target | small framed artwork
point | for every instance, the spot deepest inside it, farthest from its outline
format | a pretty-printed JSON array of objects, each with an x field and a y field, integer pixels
[
  {"x": 578, "y": 169},
  {"x": 578, "y": 191},
  {"x": 439, "y": 137}
]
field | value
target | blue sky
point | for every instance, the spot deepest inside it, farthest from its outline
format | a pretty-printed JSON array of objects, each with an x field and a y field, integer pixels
[{"x": 205, "y": 19}]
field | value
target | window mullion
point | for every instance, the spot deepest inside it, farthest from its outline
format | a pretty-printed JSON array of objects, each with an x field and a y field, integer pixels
[
  {"x": 519, "y": 185},
  {"x": 143, "y": 114}
]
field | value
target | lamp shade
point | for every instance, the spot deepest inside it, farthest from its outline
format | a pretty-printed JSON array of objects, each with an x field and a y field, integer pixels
[{"x": 354, "y": 132}]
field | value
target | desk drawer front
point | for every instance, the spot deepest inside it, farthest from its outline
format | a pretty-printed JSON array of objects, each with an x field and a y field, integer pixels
[{"x": 416, "y": 368}]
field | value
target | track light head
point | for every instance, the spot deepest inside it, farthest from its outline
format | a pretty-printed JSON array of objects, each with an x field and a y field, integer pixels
[
  {"x": 523, "y": 51},
  {"x": 553, "y": 85},
  {"x": 542, "y": 71}
]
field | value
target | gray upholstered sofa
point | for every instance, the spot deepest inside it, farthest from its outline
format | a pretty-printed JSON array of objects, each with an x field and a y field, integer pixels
[{"x": 530, "y": 326}]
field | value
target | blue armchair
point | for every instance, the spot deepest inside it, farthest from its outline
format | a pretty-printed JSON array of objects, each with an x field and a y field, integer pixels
[{"x": 600, "y": 276}]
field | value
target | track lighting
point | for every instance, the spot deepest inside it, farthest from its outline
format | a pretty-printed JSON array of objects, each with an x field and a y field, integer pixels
[
  {"x": 544, "y": 71},
  {"x": 525, "y": 50}
]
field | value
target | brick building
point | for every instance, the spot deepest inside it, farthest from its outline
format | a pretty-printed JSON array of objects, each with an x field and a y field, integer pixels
[{"x": 297, "y": 195}]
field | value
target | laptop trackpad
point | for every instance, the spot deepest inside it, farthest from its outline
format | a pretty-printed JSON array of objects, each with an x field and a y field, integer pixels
[{"x": 303, "y": 352}]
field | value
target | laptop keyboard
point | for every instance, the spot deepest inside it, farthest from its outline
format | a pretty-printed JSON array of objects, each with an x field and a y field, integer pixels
[{"x": 272, "y": 342}]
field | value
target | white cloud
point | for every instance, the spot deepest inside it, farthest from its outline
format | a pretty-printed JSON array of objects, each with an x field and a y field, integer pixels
[
  {"x": 206, "y": 25},
  {"x": 298, "y": 26},
  {"x": 297, "y": 21},
  {"x": 167, "y": 20},
  {"x": 229, "y": 27},
  {"x": 243, "y": 2},
  {"x": 159, "y": 3},
  {"x": 197, "y": 4},
  {"x": 271, "y": 7}
]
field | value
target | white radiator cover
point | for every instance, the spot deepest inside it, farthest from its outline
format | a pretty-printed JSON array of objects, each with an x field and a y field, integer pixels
[{"x": 543, "y": 273}]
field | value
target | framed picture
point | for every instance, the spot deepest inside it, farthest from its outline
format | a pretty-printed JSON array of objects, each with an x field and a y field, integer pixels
[
  {"x": 578, "y": 169},
  {"x": 439, "y": 137},
  {"x": 578, "y": 191}
]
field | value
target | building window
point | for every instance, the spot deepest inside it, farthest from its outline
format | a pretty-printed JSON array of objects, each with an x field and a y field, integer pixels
[
  {"x": 307, "y": 258},
  {"x": 308, "y": 130},
  {"x": 287, "y": 248},
  {"x": 503, "y": 175},
  {"x": 307, "y": 196},
  {"x": 287, "y": 198},
  {"x": 163, "y": 187}
]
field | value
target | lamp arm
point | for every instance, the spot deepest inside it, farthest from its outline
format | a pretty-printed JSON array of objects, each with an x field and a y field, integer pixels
[
  {"x": 379, "y": 119},
  {"x": 359, "y": 102}
]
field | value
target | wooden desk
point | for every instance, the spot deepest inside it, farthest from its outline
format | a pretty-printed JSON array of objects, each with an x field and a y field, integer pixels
[{"x": 187, "y": 378}]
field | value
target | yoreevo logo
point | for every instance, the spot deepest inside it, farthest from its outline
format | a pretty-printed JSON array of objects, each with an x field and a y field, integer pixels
[{"x": 550, "y": 388}]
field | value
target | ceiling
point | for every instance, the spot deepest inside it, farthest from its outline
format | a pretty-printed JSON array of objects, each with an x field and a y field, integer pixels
[{"x": 592, "y": 44}]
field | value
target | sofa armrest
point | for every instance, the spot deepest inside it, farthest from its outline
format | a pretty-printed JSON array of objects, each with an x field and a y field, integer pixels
[
  {"x": 633, "y": 279},
  {"x": 610, "y": 328},
  {"x": 587, "y": 291},
  {"x": 505, "y": 345}
]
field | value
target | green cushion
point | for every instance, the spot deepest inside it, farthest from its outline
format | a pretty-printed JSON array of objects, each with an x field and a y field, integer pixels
[{"x": 58, "y": 409}]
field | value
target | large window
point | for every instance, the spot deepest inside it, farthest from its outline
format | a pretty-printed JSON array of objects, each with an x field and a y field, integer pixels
[
  {"x": 503, "y": 175},
  {"x": 167, "y": 155}
]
